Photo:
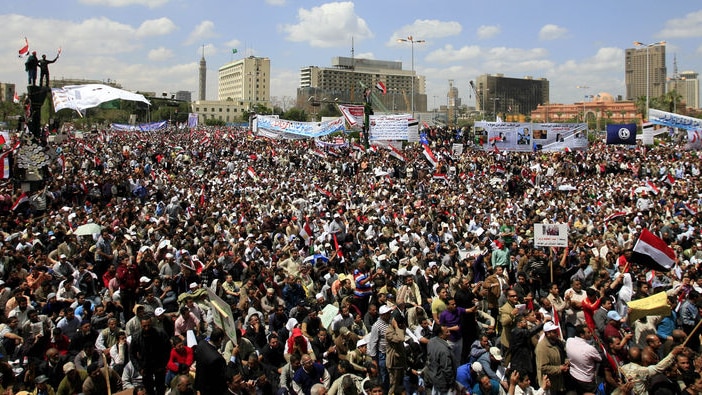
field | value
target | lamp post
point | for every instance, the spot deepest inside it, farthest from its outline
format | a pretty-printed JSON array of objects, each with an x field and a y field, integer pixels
[
  {"x": 494, "y": 106},
  {"x": 412, "y": 41},
  {"x": 647, "y": 46},
  {"x": 584, "y": 96}
]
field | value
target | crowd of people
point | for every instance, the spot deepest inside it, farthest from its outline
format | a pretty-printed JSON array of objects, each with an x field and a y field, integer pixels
[{"x": 348, "y": 270}]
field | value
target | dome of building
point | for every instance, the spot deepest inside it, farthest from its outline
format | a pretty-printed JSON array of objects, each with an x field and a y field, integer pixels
[{"x": 604, "y": 96}]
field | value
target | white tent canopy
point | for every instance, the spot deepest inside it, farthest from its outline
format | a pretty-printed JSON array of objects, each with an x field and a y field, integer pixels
[{"x": 82, "y": 97}]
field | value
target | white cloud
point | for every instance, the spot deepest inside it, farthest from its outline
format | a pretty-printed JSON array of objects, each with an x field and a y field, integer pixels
[
  {"x": 204, "y": 30},
  {"x": 423, "y": 29},
  {"x": 329, "y": 25},
  {"x": 485, "y": 31},
  {"x": 449, "y": 54},
  {"x": 552, "y": 32},
  {"x": 160, "y": 54},
  {"x": 156, "y": 27},
  {"x": 276, "y": 2},
  {"x": 125, "y": 3},
  {"x": 687, "y": 27},
  {"x": 232, "y": 44}
]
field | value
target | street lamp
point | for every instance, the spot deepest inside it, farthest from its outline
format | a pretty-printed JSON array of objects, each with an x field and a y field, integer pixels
[
  {"x": 583, "y": 87},
  {"x": 647, "y": 46},
  {"x": 412, "y": 41},
  {"x": 494, "y": 106}
]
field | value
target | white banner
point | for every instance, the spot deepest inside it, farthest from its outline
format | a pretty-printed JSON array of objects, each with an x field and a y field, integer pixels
[
  {"x": 283, "y": 128},
  {"x": 81, "y": 97},
  {"x": 353, "y": 114},
  {"x": 389, "y": 127},
  {"x": 551, "y": 235},
  {"x": 527, "y": 137}
]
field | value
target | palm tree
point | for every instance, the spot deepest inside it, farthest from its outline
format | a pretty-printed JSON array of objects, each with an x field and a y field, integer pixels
[{"x": 670, "y": 100}]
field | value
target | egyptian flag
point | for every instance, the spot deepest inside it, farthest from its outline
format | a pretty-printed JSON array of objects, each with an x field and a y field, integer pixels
[
  {"x": 306, "y": 232},
  {"x": 381, "y": 87},
  {"x": 358, "y": 147},
  {"x": 323, "y": 191},
  {"x": 23, "y": 198},
  {"x": 252, "y": 173},
  {"x": 614, "y": 215},
  {"x": 89, "y": 148},
  {"x": 653, "y": 252},
  {"x": 430, "y": 156},
  {"x": 24, "y": 51},
  {"x": 16, "y": 98},
  {"x": 690, "y": 209},
  {"x": 5, "y": 164},
  {"x": 396, "y": 153},
  {"x": 669, "y": 179},
  {"x": 319, "y": 153},
  {"x": 652, "y": 187}
]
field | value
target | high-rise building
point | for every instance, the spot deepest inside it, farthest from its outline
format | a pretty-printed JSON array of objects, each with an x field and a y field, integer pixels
[
  {"x": 687, "y": 85},
  {"x": 497, "y": 94},
  {"x": 246, "y": 80},
  {"x": 639, "y": 62},
  {"x": 202, "y": 77},
  {"x": 347, "y": 78}
]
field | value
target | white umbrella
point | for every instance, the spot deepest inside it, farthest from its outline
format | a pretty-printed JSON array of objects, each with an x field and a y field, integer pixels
[
  {"x": 88, "y": 229},
  {"x": 567, "y": 187}
]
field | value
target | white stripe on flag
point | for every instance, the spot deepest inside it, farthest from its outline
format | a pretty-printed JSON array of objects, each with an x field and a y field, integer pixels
[{"x": 650, "y": 245}]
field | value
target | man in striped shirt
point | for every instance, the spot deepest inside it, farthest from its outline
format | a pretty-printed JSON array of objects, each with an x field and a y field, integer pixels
[{"x": 377, "y": 344}]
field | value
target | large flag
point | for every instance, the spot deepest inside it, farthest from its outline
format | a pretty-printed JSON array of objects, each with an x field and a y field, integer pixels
[
  {"x": 25, "y": 49},
  {"x": 396, "y": 153},
  {"x": 653, "y": 252},
  {"x": 621, "y": 134}
]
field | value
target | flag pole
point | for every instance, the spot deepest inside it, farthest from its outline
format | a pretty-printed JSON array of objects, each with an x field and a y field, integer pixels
[{"x": 689, "y": 336}]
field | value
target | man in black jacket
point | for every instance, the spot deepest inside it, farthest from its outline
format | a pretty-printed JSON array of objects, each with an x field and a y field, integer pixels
[
  {"x": 149, "y": 353},
  {"x": 210, "y": 365}
]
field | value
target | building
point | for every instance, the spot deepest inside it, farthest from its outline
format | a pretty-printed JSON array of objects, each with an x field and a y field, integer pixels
[
  {"x": 183, "y": 96},
  {"x": 497, "y": 94},
  {"x": 347, "y": 78},
  {"x": 598, "y": 111},
  {"x": 226, "y": 111},
  {"x": 7, "y": 92},
  {"x": 246, "y": 80},
  {"x": 642, "y": 65},
  {"x": 202, "y": 77},
  {"x": 60, "y": 83},
  {"x": 687, "y": 85}
]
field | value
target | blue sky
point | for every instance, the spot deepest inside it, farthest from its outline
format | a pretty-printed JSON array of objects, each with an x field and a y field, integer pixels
[{"x": 156, "y": 45}]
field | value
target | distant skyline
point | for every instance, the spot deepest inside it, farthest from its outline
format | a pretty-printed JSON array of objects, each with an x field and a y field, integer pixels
[{"x": 156, "y": 45}]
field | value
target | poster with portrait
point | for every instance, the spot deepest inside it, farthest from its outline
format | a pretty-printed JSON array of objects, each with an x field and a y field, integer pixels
[
  {"x": 528, "y": 137},
  {"x": 550, "y": 235}
]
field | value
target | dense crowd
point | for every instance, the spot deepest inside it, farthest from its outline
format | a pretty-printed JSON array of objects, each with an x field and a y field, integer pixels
[{"x": 348, "y": 270}]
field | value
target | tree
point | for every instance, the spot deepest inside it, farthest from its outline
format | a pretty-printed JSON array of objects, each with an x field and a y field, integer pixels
[
  {"x": 214, "y": 122},
  {"x": 670, "y": 101},
  {"x": 295, "y": 114}
]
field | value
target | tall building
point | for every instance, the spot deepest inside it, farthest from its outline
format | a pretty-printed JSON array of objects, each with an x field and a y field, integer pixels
[
  {"x": 203, "y": 77},
  {"x": 497, "y": 94},
  {"x": 345, "y": 80},
  {"x": 246, "y": 80},
  {"x": 640, "y": 62},
  {"x": 687, "y": 85}
]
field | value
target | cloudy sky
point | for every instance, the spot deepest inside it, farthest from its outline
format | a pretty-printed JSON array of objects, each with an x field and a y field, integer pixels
[{"x": 156, "y": 45}]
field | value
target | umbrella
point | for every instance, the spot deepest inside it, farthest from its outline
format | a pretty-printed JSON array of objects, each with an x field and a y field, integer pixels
[
  {"x": 88, "y": 229},
  {"x": 567, "y": 187}
]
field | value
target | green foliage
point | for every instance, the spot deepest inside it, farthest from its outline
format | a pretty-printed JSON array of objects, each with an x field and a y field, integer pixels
[
  {"x": 214, "y": 122},
  {"x": 295, "y": 114}
]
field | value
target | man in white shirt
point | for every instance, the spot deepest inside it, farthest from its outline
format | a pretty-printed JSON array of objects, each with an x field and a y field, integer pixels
[{"x": 583, "y": 359}]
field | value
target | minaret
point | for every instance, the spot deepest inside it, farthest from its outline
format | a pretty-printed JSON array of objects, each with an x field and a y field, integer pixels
[{"x": 203, "y": 76}]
